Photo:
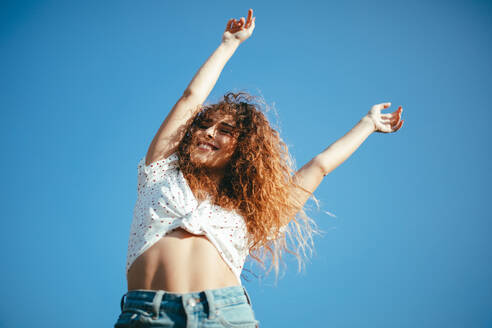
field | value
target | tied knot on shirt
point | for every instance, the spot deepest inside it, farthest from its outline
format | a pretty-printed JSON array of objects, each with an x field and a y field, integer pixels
[{"x": 192, "y": 219}]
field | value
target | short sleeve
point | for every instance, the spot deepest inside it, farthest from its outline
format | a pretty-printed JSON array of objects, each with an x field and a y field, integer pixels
[
  {"x": 161, "y": 165},
  {"x": 156, "y": 171}
]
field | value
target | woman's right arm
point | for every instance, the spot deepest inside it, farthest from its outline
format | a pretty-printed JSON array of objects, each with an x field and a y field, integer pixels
[{"x": 170, "y": 132}]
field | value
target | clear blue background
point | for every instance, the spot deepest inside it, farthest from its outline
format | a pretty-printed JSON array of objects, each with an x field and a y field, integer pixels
[{"x": 85, "y": 85}]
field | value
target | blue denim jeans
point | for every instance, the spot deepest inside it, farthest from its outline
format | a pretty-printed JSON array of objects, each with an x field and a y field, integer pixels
[{"x": 214, "y": 308}]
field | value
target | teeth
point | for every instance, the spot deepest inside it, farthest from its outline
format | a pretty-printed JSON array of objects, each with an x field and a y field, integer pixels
[{"x": 206, "y": 146}]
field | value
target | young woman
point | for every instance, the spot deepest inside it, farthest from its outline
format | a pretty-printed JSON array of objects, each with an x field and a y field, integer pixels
[{"x": 216, "y": 185}]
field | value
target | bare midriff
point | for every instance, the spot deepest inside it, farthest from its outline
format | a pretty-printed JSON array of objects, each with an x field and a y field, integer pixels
[{"x": 180, "y": 262}]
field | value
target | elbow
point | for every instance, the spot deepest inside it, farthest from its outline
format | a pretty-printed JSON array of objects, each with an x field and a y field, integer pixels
[
  {"x": 187, "y": 94},
  {"x": 322, "y": 165},
  {"x": 193, "y": 96}
]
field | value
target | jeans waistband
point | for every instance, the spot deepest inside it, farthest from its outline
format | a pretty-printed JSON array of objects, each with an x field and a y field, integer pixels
[{"x": 213, "y": 297}]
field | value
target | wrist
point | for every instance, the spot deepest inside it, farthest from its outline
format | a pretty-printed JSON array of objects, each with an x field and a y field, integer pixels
[
  {"x": 230, "y": 42},
  {"x": 368, "y": 121}
]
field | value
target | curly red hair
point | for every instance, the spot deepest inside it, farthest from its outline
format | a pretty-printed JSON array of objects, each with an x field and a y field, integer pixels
[{"x": 258, "y": 181}]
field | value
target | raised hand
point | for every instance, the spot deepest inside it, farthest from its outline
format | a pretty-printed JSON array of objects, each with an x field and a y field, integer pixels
[
  {"x": 390, "y": 122},
  {"x": 239, "y": 29}
]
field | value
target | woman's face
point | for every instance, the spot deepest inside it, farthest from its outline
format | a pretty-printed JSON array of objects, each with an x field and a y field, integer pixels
[{"x": 214, "y": 141}]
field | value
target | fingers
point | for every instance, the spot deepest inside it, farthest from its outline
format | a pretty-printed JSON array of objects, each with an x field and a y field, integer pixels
[
  {"x": 396, "y": 122},
  {"x": 237, "y": 25},
  {"x": 234, "y": 25},
  {"x": 252, "y": 25},
  {"x": 242, "y": 21},
  {"x": 397, "y": 127},
  {"x": 379, "y": 107},
  {"x": 249, "y": 21},
  {"x": 396, "y": 116},
  {"x": 388, "y": 122},
  {"x": 229, "y": 24},
  {"x": 385, "y": 105},
  {"x": 242, "y": 28}
]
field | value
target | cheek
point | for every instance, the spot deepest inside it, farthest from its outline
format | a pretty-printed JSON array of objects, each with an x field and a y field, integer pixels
[
  {"x": 196, "y": 133},
  {"x": 229, "y": 144}
]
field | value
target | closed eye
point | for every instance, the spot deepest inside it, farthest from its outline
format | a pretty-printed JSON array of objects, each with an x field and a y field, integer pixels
[
  {"x": 226, "y": 131},
  {"x": 226, "y": 128}
]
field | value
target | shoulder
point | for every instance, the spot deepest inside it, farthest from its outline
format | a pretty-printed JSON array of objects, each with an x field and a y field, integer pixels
[
  {"x": 162, "y": 164},
  {"x": 149, "y": 158}
]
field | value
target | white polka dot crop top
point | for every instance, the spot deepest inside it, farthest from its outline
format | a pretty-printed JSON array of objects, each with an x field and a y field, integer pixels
[{"x": 166, "y": 202}]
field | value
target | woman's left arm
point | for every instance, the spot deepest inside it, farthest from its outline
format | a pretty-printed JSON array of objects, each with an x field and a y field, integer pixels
[{"x": 310, "y": 175}]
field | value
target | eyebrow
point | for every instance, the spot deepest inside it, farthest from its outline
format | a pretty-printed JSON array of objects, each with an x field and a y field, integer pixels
[
  {"x": 228, "y": 125},
  {"x": 211, "y": 121}
]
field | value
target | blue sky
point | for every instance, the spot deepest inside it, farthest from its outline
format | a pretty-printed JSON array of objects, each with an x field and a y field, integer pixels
[{"x": 85, "y": 86}]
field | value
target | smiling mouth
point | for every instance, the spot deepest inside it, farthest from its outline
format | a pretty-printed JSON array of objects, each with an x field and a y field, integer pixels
[{"x": 206, "y": 146}]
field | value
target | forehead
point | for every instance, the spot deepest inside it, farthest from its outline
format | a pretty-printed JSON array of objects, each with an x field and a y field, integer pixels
[{"x": 218, "y": 117}]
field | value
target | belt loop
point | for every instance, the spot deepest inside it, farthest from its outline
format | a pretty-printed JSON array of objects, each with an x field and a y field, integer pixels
[
  {"x": 122, "y": 301},
  {"x": 247, "y": 296},
  {"x": 156, "y": 303},
  {"x": 211, "y": 303}
]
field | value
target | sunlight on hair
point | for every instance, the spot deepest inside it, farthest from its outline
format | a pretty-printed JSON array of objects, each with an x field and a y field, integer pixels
[{"x": 258, "y": 182}]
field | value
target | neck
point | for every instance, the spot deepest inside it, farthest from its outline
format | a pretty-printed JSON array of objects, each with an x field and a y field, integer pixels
[{"x": 216, "y": 175}]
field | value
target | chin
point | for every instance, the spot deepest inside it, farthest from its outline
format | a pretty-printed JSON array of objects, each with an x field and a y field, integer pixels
[
  {"x": 209, "y": 161},
  {"x": 200, "y": 161}
]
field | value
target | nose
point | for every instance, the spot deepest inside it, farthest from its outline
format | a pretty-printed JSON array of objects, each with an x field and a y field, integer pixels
[{"x": 210, "y": 132}]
